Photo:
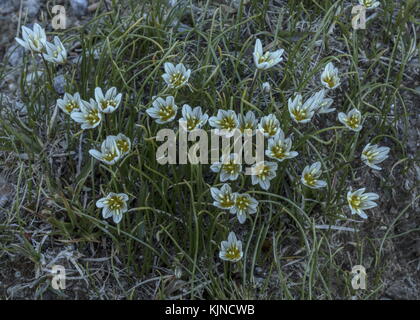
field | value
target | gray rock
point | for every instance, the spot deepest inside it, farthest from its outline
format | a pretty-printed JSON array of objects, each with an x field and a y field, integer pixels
[
  {"x": 59, "y": 84},
  {"x": 13, "y": 105},
  {"x": 8, "y": 6},
  {"x": 79, "y": 7},
  {"x": 15, "y": 54},
  {"x": 31, "y": 7}
]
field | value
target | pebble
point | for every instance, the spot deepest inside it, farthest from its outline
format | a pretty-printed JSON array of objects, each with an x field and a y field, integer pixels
[
  {"x": 15, "y": 54},
  {"x": 59, "y": 84},
  {"x": 8, "y": 6},
  {"x": 31, "y": 7},
  {"x": 79, "y": 7}
]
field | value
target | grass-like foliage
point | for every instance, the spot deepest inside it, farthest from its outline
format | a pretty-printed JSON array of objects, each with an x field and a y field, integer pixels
[{"x": 87, "y": 182}]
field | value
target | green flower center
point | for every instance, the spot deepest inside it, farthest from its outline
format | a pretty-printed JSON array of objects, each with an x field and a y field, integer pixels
[
  {"x": 115, "y": 203},
  {"x": 110, "y": 155},
  {"x": 367, "y": 3},
  {"x": 70, "y": 106},
  {"x": 233, "y": 253},
  {"x": 262, "y": 172},
  {"x": 353, "y": 122},
  {"x": 266, "y": 57},
  {"x": 247, "y": 126},
  {"x": 166, "y": 113},
  {"x": 242, "y": 202},
  {"x": 270, "y": 128},
  {"x": 226, "y": 200},
  {"x": 278, "y": 152},
  {"x": 299, "y": 114},
  {"x": 123, "y": 145},
  {"x": 355, "y": 202},
  {"x": 177, "y": 79},
  {"x": 92, "y": 117},
  {"x": 228, "y": 123},
  {"x": 35, "y": 41},
  {"x": 330, "y": 81},
  {"x": 192, "y": 123},
  {"x": 309, "y": 179},
  {"x": 230, "y": 167},
  {"x": 370, "y": 155},
  {"x": 108, "y": 103}
]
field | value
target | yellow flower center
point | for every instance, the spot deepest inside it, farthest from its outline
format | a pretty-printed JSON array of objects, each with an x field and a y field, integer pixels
[
  {"x": 106, "y": 103},
  {"x": 265, "y": 58},
  {"x": 177, "y": 79},
  {"x": 299, "y": 114},
  {"x": 192, "y": 123},
  {"x": 353, "y": 122},
  {"x": 115, "y": 203},
  {"x": 370, "y": 155},
  {"x": 230, "y": 167},
  {"x": 233, "y": 253},
  {"x": 330, "y": 81},
  {"x": 226, "y": 200},
  {"x": 355, "y": 201},
  {"x": 242, "y": 202},
  {"x": 70, "y": 106},
  {"x": 278, "y": 152},
  {"x": 270, "y": 128},
  {"x": 228, "y": 123},
  {"x": 262, "y": 172},
  {"x": 367, "y": 3},
  {"x": 309, "y": 179},
  {"x": 166, "y": 112},
  {"x": 246, "y": 126},
  {"x": 92, "y": 117},
  {"x": 110, "y": 155},
  {"x": 123, "y": 145}
]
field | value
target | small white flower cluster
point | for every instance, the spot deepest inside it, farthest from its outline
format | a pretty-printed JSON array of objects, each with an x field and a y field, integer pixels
[
  {"x": 226, "y": 123},
  {"x": 165, "y": 110},
  {"x": 238, "y": 204},
  {"x": 372, "y": 155},
  {"x": 279, "y": 148},
  {"x": 113, "y": 148},
  {"x": 36, "y": 41},
  {"x": 358, "y": 200},
  {"x": 116, "y": 147},
  {"x": 88, "y": 114}
]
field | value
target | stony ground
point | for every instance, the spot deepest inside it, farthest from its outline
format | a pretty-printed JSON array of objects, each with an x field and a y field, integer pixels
[{"x": 20, "y": 277}]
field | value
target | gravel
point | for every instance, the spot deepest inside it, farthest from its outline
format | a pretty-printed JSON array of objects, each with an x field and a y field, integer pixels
[{"x": 79, "y": 7}]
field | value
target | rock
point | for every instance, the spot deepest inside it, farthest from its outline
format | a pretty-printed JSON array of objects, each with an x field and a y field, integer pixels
[
  {"x": 8, "y": 6},
  {"x": 31, "y": 7},
  {"x": 79, "y": 7},
  {"x": 6, "y": 192},
  {"x": 15, "y": 54},
  {"x": 59, "y": 84},
  {"x": 14, "y": 105}
]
